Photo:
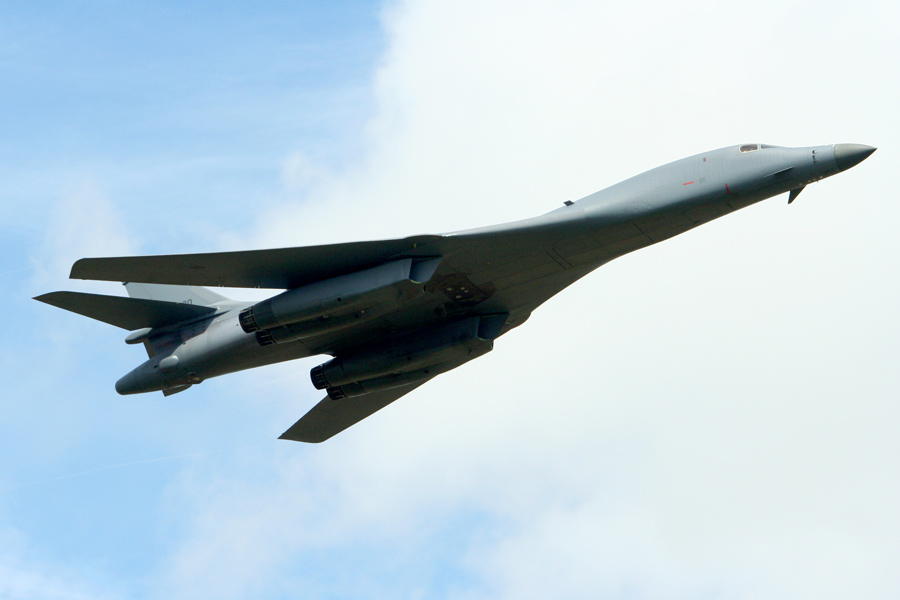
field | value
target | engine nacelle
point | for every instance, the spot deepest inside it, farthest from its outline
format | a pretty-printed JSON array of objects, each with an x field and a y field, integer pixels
[
  {"x": 339, "y": 295},
  {"x": 472, "y": 350},
  {"x": 414, "y": 353},
  {"x": 316, "y": 326}
]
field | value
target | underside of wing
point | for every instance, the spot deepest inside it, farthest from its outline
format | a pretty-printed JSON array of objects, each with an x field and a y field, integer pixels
[
  {"x": 330, "y": 417},
  {"x": 282, "y": 268},
  {"x": 127, "y": 313}
]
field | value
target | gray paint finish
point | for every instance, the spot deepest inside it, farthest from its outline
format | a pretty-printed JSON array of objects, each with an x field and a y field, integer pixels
[{"x": 344, "y": 307}]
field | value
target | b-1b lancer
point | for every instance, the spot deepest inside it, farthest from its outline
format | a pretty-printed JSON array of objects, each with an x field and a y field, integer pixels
[{"x": 393, "y": 314}]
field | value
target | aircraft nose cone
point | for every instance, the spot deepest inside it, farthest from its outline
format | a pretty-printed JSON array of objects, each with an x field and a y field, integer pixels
[{"x": 850, "y": 155}]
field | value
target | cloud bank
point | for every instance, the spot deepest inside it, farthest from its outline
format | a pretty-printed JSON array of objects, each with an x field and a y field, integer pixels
[
  {"x": 711, "y": 417},
  {"x": 714, "y": 416}
]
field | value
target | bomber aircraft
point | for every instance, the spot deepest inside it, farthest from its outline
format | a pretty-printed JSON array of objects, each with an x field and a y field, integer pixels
[{"x": 393, "y": 314}]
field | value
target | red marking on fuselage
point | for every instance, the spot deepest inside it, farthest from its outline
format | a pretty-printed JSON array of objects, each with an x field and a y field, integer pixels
[
  {"x": 688, "y": 183},
  {"x": 727, "y": 191}
]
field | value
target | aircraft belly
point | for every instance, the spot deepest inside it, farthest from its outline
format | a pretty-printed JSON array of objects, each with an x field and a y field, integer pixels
[
  {"x": 704, "y": 213},
  {"x": 579, "y": 250},
  {"x": 539, "y": 271}
]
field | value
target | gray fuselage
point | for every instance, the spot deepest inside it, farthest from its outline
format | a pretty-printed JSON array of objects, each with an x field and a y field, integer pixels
[{"x": 508, "y": 269}]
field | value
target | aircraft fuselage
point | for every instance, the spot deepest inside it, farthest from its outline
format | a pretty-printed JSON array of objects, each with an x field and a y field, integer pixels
[{"x": 498, "y": 274}]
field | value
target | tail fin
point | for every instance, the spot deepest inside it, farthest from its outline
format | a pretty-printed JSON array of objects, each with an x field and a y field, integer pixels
[{"x": 182, "y": 294}]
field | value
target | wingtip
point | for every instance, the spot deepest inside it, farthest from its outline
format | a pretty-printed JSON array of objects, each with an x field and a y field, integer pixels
[
  {"x": 286, "y": 437},
  {"x": 49, "y": 297},
  {"x": 76, "y": 268}
]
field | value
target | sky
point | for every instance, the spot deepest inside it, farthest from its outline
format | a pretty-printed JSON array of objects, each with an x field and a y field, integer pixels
[{"x": 711, "y": 417}]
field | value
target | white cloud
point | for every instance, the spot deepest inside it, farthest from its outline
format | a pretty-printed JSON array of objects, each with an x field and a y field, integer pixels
[
  {"x": 32, "y": 579},
  {"x": 714, "y": 416},
  {"x": 84, "y": 223},
  {"x": 687, "y": 421}
]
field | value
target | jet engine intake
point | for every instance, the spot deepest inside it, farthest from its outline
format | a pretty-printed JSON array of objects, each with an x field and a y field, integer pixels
[{"x": 339, "y": 295}]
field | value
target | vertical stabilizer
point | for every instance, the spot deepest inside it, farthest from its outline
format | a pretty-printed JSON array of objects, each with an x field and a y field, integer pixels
[{"x": 183, "y": 294}]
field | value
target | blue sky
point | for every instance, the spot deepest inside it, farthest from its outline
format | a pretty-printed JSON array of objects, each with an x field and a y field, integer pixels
[
  {"x": 711, "y": 417},
  {"x": 139, "y": 93},
  {"x": 166, "y": 115}
]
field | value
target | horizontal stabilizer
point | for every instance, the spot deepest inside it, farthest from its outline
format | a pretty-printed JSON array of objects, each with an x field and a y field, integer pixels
[
  {"x": 281, "y": 268},
  {"x": 330, "y": 417},
  {"x": 127, "y": 313}
]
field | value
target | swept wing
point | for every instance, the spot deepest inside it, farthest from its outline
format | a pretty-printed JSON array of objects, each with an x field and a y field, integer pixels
[
  {"x": 330, "y": 417},
  {"x": 281, "y": 268},
  {"x": 127, "y": 313}
]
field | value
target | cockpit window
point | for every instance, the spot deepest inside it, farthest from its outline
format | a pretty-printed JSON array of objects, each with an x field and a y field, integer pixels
[{"x": 753, "y": 147}]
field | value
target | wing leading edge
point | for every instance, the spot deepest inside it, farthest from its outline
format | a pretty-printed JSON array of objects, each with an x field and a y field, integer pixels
[
  {"x": 330, "y": 417},
  {"x": 281, "y": 268},
  {"x": 127, "y": 313}
]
